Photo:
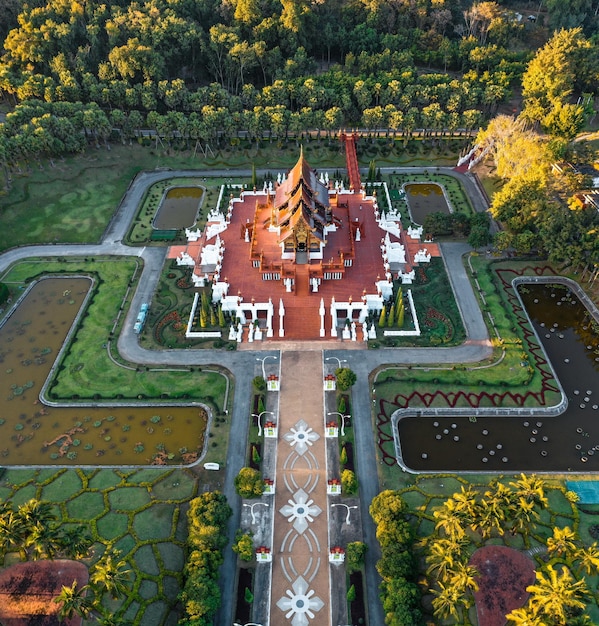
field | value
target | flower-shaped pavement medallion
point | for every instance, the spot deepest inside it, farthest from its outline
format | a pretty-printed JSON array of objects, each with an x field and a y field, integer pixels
[
  {"x": 300, "y": 603},
  {"x": 300, "y": 511},
  {"x": 301, "y": 437}
]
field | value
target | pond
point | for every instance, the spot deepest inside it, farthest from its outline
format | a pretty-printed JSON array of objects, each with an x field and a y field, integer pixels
[
  {"x": 32, "y": 433},
  {"x": 568, "y": 442},
  {"x": 423, "y": 199},
  {"x": 179, "y": 208}
]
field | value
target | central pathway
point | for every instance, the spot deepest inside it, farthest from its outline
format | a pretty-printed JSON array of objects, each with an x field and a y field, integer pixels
[{"x": 300, "y": 575}]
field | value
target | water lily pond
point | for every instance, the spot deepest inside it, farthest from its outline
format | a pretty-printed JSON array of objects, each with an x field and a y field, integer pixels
[{"x": 34, "y": 433}]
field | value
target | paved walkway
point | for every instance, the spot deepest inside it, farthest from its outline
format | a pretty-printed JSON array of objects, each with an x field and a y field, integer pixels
[{"x": 300, "y": 591}]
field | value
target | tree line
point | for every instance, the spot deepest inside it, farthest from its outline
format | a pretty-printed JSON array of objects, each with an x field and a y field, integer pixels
[
  {"x": 206, "y": 70},
  {"x": 207, "y": 536}
]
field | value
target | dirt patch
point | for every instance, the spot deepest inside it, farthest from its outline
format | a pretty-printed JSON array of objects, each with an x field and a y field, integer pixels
[
  {"x": 27, "y": 591},
  {"x": 504, "y": 575}
]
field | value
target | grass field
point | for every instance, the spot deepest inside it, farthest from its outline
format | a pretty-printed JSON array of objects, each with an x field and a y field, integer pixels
[{"x": 74, "y": 200}]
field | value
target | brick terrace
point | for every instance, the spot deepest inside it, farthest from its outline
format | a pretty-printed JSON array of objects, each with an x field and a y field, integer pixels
[{"x": 302, "y": 321}]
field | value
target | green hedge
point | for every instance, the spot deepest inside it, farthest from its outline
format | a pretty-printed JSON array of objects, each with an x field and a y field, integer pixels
[
  {"x": 4, "y": 293},
  {"x": 207, "y": 516}
]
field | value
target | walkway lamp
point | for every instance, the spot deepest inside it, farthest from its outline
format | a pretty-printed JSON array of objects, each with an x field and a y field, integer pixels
[
  {"x": 270, "y": 356},
  {"x": 348, "y": 510},
  {"x": 251, "y": 507},
  {"x": 334, "y": 358},
  {"x": 259, "y": 417},
  {"x": 342, "y": 416}
]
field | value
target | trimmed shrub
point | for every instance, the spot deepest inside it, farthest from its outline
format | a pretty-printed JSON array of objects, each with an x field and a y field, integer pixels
[{"x": 249, "y": 483}]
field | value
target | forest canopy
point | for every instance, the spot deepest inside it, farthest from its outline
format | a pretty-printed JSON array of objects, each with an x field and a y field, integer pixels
[{"x": 79, "y": 72}]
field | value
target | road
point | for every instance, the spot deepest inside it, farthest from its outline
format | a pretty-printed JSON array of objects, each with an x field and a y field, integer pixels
[{"x": 242, "y": 364}]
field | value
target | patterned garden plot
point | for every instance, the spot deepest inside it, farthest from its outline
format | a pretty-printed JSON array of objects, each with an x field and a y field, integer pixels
[
  {"x": 535, "y": 443},
  {"x": 136, "y": 512}
]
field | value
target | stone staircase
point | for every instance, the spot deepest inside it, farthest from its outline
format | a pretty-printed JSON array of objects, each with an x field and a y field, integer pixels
[
  {"x": 351, "y": 158},
  {"x": 301, "y": 322}
]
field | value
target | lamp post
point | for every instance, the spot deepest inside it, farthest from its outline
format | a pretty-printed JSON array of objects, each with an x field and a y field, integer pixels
[
  {"x": 251, "y": 507},
  {"x": 348, "y": 510},
  {"x": 270, "y": 356},
  {"x": 334, "y": 358},
  {"x": 342, "y": 416},
  {"x": 260, "y": 420}
]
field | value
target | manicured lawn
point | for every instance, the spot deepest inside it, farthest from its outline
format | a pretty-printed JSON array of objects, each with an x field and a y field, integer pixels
[
  {"x": 388, "y": 152},
  {"x": 436, "y": 309}
]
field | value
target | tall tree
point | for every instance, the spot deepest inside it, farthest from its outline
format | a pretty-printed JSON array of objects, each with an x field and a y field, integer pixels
[
  {"x": 557, "y": 595},
  {"x": 110, "y": 575},
  {"x": 566, "y": 62}
]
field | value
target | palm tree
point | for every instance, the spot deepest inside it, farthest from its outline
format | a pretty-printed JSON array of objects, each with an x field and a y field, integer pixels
[
  {"x": 463, "y": 577},
  {"x": 556, "y": 596},
  {"x": 562, "y": 542},
  {"x": 523, "y": 514},
  {"x": 588, "y": 559},
  {"x": 531, "y": 488},
  {"x": 450, "y": 519},
  {"x": 74, "y": 601},
  {"x": 75, "y": 542},
  {"x": 525, "y": 617},
  {"x": 447, "y": 601},
  {"x": 36, "y": 513},
  {"x": 496, "y": 506},
  {"x": 443, "y": 555},
  {"x": 42, "y": 541},
  {"x": 11, "y": 534},
  {"x": 465, "y": 502},
  {"x": 110, "y": 576}
]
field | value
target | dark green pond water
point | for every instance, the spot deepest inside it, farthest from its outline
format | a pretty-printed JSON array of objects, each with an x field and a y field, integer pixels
[
  {"x": 565, "y": 443},
  {"x": 34, "y": 434},
  {"x": 179, "y": 208},
  {"x": 423, "y": 199}
]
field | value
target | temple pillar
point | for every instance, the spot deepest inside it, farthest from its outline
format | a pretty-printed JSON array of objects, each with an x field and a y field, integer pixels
[
  {"x": 269, "y": 315},
  {"x": 333, "y": 318},
  {"x": 281, "y": 316}
]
